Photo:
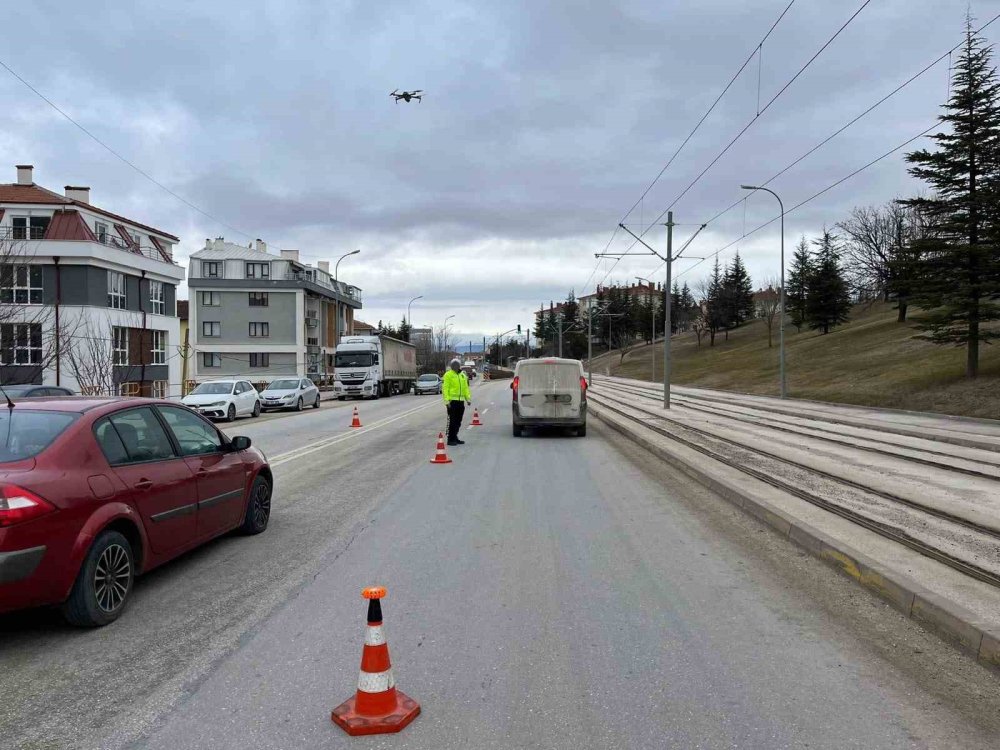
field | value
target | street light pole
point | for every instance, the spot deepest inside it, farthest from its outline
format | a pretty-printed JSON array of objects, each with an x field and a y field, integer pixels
[
  {"x": 336, "y": 273},
  {"x": 409, "y": 320},
  {"x": 781, "y": 311},
  {"x": 667, "y": 311},
  {"x": 652, "y": 330}
]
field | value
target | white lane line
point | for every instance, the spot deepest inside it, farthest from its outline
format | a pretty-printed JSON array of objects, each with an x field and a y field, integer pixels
[
  {"x": 486, "y": 410},
  {"x": 291, "y": 455}
]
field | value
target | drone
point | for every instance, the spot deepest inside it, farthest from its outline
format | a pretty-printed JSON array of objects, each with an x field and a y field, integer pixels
[{"x": 406, "y": 96}]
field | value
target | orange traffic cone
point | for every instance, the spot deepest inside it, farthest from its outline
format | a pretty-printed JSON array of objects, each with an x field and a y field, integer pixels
[
  {"x": 475, "y": 419},
  {"x": 440, "y": 457},
  {"x": 356, "y": 421},
  {"x": 377, "y": 707}
]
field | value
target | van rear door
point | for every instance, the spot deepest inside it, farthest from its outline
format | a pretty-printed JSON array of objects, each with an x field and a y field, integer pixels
[{"x": 549, "y": 390}]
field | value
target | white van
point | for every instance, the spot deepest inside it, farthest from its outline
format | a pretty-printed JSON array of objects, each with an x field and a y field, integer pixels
[{"x": 549, "y": 392}]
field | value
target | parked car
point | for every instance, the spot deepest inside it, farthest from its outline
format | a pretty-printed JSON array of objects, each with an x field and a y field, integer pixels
[
  {"x": 224, "y": 399},
  {"x": 95, "y": 491},
  {"x": 35, "y": 391},
  {"x": 550, "y": 392},
  {"x": 427, "y": 383},
  {"x": 290, "y": 393}
]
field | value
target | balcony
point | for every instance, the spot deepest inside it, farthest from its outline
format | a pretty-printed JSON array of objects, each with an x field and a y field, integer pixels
[
  {"x": 107, "y": 239},
  {"x": 312, "y": 322},
  {"x": 313, "y": 277}
]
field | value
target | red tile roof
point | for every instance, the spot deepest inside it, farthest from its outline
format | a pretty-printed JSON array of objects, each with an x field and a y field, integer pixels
[
  {"x": 67, "y": 224},
  {"x": 15, "y": 193}
]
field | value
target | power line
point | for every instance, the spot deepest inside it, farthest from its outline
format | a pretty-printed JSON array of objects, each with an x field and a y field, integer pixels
[{"x": 749, "y": 124}]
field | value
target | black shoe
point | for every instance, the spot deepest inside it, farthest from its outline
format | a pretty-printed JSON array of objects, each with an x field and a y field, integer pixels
[
  {"x": 454, "y": 442},
  {"x": 459, "y": 442}
]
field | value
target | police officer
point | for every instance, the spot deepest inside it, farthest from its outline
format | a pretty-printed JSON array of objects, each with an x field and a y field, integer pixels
[{"x": 456, "y": 394}]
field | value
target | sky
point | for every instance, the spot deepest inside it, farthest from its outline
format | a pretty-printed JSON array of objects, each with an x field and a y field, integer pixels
[{"x": 542, "y": 125}]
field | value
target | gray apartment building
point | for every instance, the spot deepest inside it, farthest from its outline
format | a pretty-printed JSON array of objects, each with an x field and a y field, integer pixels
[
  {"x": 87, "y": 297},
  {"x": 261, "y": 315}
]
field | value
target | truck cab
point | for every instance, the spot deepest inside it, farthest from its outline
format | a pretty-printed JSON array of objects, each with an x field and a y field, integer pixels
[{"x": 373, "y": 366}]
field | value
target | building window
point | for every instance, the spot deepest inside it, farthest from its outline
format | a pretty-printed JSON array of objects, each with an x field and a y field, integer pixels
[
  {"x": 158, "y": 346},
  {"x": 157, "y": 298},
  {"x": 211, "y": 299},
  {"x": 211, "y": 269},
  {"x": 258, "y": 330},
  {"x": 21, "y": 344},
  {"x": 258, "y": 270},
  {"x": 159, "y": 389},
  {"x": 260, "y": 360},
  {"x": 29, "y": 227},
  {"x": 208, "y": 359},
  {"x": 119, "y": 345},
  {"x": 21, "y": 284},
  {"x": 211, "y": 329},
  {"x": 101, "y": 230},
  {"x": 116, "y": 290},
  {"x": 128, "y": 389},
  {"x": 258, "y": 299}
]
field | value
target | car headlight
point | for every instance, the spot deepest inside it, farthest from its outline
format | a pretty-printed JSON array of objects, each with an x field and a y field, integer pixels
[
  {"x": 288, "y": 397},
  {"x": 214, "y": 403}
]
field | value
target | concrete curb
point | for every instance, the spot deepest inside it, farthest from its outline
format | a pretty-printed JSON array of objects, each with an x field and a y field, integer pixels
[{"x": 948, "y": 619}]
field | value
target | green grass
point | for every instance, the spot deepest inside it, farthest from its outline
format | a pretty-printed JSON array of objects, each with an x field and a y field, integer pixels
[{"x": 872, "y": 360}]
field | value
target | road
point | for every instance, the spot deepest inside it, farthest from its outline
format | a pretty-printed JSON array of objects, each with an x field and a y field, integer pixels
[{"x": 545, "y": 592}]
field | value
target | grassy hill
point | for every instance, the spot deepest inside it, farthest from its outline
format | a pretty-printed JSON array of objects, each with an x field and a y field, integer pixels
[{"x": 872, "y": 360}]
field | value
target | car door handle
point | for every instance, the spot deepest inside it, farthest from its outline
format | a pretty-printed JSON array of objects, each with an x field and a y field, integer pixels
[{"x": 143, "y": 484}]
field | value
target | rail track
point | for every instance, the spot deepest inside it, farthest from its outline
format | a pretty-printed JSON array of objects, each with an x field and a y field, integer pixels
[{"x": 958, "y": 542}]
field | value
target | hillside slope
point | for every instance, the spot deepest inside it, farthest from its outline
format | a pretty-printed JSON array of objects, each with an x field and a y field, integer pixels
[{"x": 872, "y": 360}]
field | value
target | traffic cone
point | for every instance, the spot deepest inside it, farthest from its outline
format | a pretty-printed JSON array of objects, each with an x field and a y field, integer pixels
[
  {"x": 475, "y": 419},
  {"x": 377, "y": 707},
  {"x": 440, "y": 457},
  {"x": 356, "y": 421}
]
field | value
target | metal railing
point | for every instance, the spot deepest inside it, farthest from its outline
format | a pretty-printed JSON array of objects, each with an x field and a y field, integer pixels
[
  {"x": 106, "y": 238},
  {"x": 345, "y": 290}
]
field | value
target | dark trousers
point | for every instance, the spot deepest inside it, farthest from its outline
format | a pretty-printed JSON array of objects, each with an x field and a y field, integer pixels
[{"x": 456, "y": 410}]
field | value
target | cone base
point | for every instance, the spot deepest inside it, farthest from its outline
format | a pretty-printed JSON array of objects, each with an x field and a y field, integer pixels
[
  {"x": 436, "y": 460},
  {"x": 345, "y": 717}
]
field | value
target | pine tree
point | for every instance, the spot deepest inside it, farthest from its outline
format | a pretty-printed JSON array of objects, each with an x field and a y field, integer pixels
[
  {"x": 715, "y": 303},
  {"x": 958, "y": 283},
  {"x": 404, "y": 329},
  {"x": 677, "y": 313},
  {"x": 740, "y": 285},
  {"x": 797, "y": 284},
  {"x": 689, "y": 305},
  {"x": 828, "y": 299}
]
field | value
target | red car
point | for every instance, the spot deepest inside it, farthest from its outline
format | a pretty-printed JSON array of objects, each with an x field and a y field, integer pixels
[{"x": 94, "y": 491}]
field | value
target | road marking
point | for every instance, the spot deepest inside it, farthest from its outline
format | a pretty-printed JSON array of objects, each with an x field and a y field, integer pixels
[
  {"x": 486, "y": 410},
  {"x": 291, "y": 455}
]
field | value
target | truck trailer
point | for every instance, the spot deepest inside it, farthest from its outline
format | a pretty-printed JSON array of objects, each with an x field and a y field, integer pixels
[{"x": 373, "y": 366}]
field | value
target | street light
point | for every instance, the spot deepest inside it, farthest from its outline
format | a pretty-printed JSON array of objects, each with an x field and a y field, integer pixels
[
  {"x": 408, "y": 319},
  {"x": 781, "y": 311},
  {"x": 652, "y": 339},
  {"x": 336, "y": 272}
]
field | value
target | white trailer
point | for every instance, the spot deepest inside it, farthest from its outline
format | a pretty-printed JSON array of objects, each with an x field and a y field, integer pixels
[{"x": 373, "y": 366}]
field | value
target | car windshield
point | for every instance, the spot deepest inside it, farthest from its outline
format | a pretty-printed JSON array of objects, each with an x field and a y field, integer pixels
[
  {"x": 212, "y": 388},
  {"x": 428, "y": 378},
  {"x": 17, "y": 390},
  {"x": 353, "y": 359},
  {"x": 283, "y": 385},
  {"x": 24, "y": 434}
]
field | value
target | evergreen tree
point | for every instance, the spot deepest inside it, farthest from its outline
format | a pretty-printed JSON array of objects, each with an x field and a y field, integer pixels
[
  {"x": 677, "y": 312},
  {"x": 959, "y": 280},
  {"x": 689, "y": 305},
  {"x": 739, "y": 292},
  {"x": 797, "y": 284},
  {"x": 715, "y": 303},
  {"x": 540, "y": 332},
  {"x": 828, "y": 299},
  {"x": 404, "y": 329}
]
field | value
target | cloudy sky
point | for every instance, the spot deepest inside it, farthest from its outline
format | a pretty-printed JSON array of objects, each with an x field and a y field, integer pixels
[{"x": 543, "y": 122}]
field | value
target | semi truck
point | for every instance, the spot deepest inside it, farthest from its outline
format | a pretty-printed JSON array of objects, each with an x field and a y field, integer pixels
[{"x": 373, "y": 366}]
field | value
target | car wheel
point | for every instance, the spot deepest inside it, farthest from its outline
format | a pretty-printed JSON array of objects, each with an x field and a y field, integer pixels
[
  {"x": 231, "y": 413},
  {"x": 258, "y": 507},
  {"x": 316, "y": 405},
  {"x": 298, "y": 404},
  {"x": 581, "y": 431},
  {"x": 342, "y": 398},
  {"x": 256, "y": 410},
  {"x": 517, "y": 430},
  {"x": 103, "y": 584}
]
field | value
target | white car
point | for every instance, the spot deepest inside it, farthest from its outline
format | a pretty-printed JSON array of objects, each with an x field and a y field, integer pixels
[
  {"x": 290, "y": 393},
  {"x": 224, "y": 399}
]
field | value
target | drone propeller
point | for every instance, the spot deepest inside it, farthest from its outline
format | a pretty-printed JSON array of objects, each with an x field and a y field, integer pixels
[
  {"x": 418, "y": 91},
  {"x": 393, "y": 92}
]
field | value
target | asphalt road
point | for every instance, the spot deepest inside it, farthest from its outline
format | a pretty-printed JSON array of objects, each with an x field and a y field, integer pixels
[{"x": 547, "y": 592}]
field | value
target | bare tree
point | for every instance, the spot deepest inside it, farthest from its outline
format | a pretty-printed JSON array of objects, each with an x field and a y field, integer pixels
[
  {"x": 699, "y": 326},
  {"x": 768, "y": 305},
  {"x": 98, "y": 347}
]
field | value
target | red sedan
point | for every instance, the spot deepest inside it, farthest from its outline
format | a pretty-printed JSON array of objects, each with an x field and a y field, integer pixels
[{"x": 94, "y": 491}]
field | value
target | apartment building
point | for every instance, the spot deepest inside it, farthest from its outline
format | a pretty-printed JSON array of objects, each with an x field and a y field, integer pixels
[
  {"x": 87, "y": 296},
  {"x": 262, "y": 315}
]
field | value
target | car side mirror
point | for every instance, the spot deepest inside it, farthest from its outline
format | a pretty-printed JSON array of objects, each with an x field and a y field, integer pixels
[{"x": 239, "y": 443}]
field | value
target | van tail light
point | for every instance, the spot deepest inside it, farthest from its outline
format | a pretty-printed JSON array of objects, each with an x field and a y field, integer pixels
[
  {"x": 18, "y": 505},
  {"x": 513, "y": 387},
  {"x": 583, "y": 388}
]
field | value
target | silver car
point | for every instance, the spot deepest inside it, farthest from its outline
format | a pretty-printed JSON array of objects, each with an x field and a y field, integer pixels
[
  {"x": 427, "y": 383},
  {"x": 290, "y": 393}
]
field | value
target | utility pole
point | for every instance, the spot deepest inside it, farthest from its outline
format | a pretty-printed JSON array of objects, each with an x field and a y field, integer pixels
[{"x": 667, "y": 311}]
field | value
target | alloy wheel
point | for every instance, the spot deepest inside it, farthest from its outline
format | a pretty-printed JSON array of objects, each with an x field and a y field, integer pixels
[
  {"x": 261, "y": 504},
  {"x": 111, "y": 577}
]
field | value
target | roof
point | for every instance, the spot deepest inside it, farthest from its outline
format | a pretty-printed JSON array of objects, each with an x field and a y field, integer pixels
[
  {"x": 235, "y": 252},
  {"x": 362, "y": 324},
  {"x": 15, "y": 193},
  {"x": 67, "y": 224}
]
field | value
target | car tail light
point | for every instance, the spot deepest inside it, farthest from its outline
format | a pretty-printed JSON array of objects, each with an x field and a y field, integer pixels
[
  {"x": 18, "y": 505},
  {"x": 513, "y": 387}
]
